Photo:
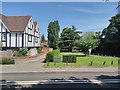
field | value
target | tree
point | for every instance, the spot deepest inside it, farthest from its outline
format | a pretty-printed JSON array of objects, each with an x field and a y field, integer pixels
[
  {"x": 87, "y": 42},
  {"x": 67, "y": 39},
  {"x": 43, "y": 38},
  {"x": 53, "y": 34},
  {"x": 76, "y": 33},
  {"x": 110, "y": 41}
]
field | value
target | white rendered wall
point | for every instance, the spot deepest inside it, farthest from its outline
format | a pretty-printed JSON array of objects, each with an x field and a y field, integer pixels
[{"x": 13, "y": 39}]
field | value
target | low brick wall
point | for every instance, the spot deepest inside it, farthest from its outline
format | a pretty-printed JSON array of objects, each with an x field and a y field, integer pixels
[
  {"x": 32, "y": 52},
  {"x": 6, "y": 53},
  {"x": 50, "y": 49}
]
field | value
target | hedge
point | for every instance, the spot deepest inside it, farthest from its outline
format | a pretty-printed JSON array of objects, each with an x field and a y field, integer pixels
[
  {"x": 69, "y": 58},
  {"x": 50, "y": 55},
  {"x": 38, "y": 50},
  {"x": 6, "y": 61}
]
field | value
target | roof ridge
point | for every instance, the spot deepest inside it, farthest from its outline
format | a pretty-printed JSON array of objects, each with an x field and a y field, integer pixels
[{"x": 16, "y": 23}]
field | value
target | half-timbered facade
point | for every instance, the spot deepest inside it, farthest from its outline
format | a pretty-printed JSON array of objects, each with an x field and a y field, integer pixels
[{"x": 19, "y": 32}]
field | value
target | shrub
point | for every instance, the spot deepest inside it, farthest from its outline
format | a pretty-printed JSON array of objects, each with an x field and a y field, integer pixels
[
  {"x": 21, "y": 52},
  {"x": 38, "y": 50},
  {"x": 69, "y": 58},
  {"x": 16, "y": 53},
  {"x": 55, "y": 52},
  {"x": 50, "y": 55},
  {"x": 6, "y": 61}
]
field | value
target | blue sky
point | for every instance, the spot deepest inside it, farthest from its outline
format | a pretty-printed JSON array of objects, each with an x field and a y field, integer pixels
[{"x": 85, "y": 16}]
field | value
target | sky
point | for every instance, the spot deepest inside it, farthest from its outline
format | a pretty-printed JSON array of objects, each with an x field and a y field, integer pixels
[{"x": 85, "y": 16}]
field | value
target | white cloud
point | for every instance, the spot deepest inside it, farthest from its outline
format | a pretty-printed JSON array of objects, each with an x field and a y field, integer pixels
[{"x": 83, "y": 10}]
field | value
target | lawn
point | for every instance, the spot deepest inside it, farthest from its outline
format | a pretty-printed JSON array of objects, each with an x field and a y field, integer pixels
[{"x": 86, "y": 61}]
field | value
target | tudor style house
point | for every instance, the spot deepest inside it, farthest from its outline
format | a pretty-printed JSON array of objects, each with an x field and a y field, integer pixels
[{"x": 19, "y": 32}]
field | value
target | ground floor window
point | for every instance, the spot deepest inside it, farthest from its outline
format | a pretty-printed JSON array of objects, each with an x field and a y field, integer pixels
[{"x": 3, "y": 36}]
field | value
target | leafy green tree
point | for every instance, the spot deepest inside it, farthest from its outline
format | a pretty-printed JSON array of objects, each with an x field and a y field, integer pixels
[
  {"x": 53, "y": 34},
  {"x": 110, "y": 41},
  {"x": 87, "y": 42},
  {"x": 43, "y": 38},
  {"x": 68, "y": 37},
  {"x": 67, "y": 40},
  {"x": 76, "y": 33}
]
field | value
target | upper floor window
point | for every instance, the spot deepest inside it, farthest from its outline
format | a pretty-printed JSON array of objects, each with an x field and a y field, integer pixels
[
  {"x": 36, "y": 39},
  {"x": 32, "y": 26},
  {"x": 3, "y": 36}
]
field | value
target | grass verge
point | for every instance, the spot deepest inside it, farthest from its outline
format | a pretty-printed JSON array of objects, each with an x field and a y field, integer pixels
[{"x": 87, "y": 61}]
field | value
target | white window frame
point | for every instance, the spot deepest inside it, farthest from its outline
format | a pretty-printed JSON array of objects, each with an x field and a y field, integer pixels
[
  {"x": 36, "y": 39},
  {"x": 3, "y": 37}
]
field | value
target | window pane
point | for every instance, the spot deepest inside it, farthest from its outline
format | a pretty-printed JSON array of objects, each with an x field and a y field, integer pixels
[{"x": 3, "y": 37}]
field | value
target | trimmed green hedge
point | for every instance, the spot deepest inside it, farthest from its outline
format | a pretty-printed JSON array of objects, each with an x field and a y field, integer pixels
[
  {"x": 6, "y": 61},
  {"x": 50, "y": 55},
  {"x": 69, "y": 58},
  {"x": 38, "y": 50}
]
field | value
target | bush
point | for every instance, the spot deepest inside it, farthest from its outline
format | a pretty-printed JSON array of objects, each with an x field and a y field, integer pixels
[
  {"x": 38, "y": 50},
  {"x": 21, "y": 52},
  {"x": 6, "y": 61},
  {"x": 50, "y": 55},
  {"x": 69, "y": 58},
  {"x": 16, "y": 53}
]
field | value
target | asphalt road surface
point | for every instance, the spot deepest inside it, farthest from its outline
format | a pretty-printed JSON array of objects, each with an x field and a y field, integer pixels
[
  {"x": 51, "y": 75},
  {"x": 60, "y": 80}
]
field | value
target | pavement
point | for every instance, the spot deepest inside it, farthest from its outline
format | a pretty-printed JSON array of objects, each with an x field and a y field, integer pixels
[
  {"x": 32, "y": 74},
  {"x": 36, "y": 66}
]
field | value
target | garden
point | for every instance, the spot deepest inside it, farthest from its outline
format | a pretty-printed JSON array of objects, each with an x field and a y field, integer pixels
[
  {"x": 73, "y": 48},
  {"x": 78, "y": 60}
]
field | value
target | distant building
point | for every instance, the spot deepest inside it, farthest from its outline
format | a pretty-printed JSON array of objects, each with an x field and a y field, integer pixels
[{"x": 44, "y": 44}]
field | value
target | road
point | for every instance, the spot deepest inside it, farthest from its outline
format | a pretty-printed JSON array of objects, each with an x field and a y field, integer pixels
[
  {"x": 51, "y": 75},
  {"x": 60, "y": 79}
]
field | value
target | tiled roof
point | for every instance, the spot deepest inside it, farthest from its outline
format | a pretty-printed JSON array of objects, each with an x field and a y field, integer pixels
[{"x": 15, "y": 23}]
